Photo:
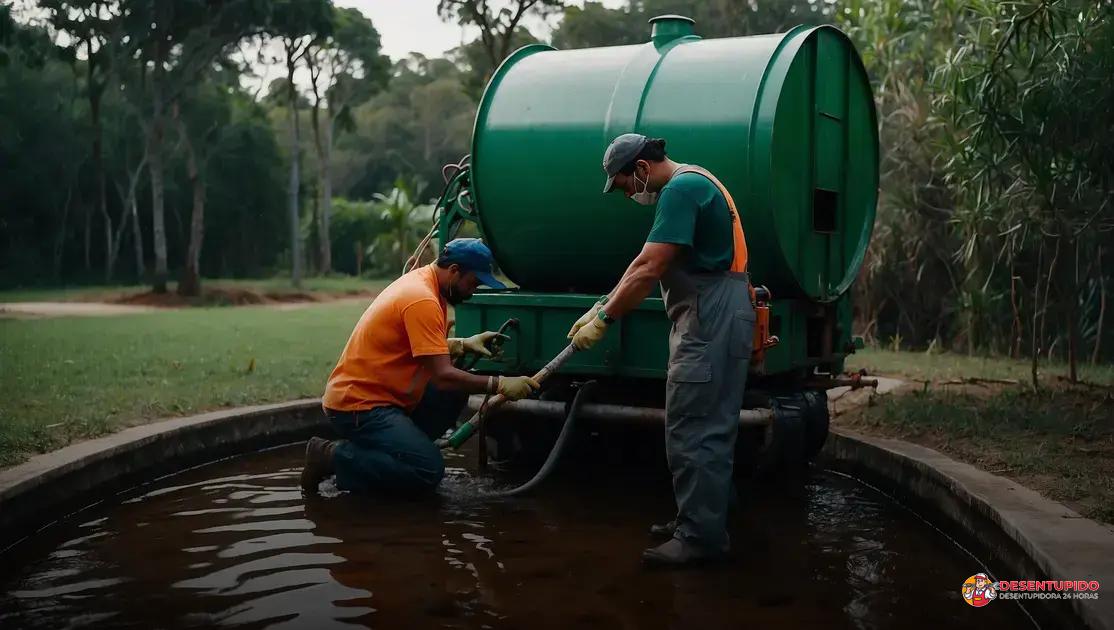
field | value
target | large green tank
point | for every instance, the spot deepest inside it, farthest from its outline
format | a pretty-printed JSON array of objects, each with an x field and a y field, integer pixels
[{"x": 786, "y": 121}]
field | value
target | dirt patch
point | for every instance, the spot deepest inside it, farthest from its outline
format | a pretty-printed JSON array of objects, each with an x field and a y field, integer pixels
[
  {"x": 34, "y": 310},
  {"x": 224, "y": 296},
  {"x": 230, "y": 297},
  {"x": 107, "y": 304}
]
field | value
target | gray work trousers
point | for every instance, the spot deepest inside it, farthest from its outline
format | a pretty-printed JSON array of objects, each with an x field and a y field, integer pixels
[{"x": 709, "y": 352}]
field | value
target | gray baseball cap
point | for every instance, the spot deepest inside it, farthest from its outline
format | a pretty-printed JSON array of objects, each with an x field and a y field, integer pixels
[{"x": 619, "y": 153}]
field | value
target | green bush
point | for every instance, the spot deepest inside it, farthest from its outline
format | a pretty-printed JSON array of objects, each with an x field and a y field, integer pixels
[{"x": 355, "y": 225}]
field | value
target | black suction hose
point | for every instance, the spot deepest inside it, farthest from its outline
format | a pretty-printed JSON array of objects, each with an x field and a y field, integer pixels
[{"x": 558, "y": 446}]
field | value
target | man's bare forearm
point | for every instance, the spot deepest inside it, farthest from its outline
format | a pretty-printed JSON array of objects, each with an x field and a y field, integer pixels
[
  {"x": 615, "y": 289},
  {"x": 461, "y": 381},
  {"x": 447, "y": 377},
  {"x": 637, "y": 283},
  {"x": 640, "y": 277}
]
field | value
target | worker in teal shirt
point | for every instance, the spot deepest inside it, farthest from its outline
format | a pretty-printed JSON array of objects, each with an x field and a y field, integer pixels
[{"x": 697, "y": 252}]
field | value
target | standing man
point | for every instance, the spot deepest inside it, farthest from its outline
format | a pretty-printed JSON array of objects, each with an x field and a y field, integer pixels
[
  {"x": 696, "y": 250},
  {"x": 394, "y": 389}
]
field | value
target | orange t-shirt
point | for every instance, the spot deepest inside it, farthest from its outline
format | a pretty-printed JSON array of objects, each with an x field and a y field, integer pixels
[{"x": 378, "y": 366}]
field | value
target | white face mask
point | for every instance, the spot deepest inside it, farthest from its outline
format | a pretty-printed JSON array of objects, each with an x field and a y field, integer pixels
[{"x": 645, "y": 197}]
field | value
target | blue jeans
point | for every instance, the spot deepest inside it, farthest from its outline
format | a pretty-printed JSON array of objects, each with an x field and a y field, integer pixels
[{"x": 386, "y": 450}]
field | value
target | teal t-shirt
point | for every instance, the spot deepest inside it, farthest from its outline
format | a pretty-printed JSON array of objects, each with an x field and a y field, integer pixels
[{"x": 691, "y": 211}]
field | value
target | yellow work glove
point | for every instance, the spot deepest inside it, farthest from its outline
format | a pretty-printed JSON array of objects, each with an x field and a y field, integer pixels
[
  {"x": 517, "y": 387},
  {"x": 589, "y": 334},
  {"x": 476, "y": 344},
  {"x": 587, "y": 317}
]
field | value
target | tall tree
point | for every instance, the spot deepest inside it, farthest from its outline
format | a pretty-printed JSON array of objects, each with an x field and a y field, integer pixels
[
  {"x": 126, "y": 162},
  {"x": 127, "y": 189},
  {"x": 207, "y": 112},
  {"x": 297, "y": 24},
  {"x": 474, "y": 60},
  {"x": 47, "y": 175},
  {"x": 498, "y": 22},
  {"x": 176, "y": 42},
  {"x": 92, "y": 29},
  {"x": 421, "y": 121},
  {"x": 345, "y": 69},
  {"x": 594, "y": 24}
]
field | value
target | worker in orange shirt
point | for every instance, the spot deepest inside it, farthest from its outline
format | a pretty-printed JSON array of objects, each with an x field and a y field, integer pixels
[{"x": 394, "y": 389}]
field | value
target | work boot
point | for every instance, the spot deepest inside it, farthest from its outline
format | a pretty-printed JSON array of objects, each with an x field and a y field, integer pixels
[
  {"x": 319, "y": 463},
  {"x": 676, "y": 553},
  {"x": 663, "y": 530}
]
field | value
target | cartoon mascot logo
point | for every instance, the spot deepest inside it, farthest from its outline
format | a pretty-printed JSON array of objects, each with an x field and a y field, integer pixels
[{"x": 978, "y": 590}]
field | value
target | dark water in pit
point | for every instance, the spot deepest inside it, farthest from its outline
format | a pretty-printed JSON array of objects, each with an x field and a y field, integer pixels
[{"x": 234, "y": 544}]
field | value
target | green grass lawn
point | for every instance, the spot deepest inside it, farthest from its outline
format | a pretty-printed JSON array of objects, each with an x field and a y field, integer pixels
[
  {"x": 66, "y": 379},
  {"x": 279, "y": 284}
]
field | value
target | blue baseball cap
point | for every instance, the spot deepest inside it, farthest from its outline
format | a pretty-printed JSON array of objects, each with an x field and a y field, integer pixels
[{"x": 472, "y": 255}]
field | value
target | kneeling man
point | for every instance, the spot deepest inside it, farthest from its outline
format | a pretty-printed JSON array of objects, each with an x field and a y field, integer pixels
[{"x": 395, "y": 390}]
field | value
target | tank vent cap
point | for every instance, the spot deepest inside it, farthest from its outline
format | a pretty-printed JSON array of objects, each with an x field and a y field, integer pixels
[{"x": 666, "y": 28}]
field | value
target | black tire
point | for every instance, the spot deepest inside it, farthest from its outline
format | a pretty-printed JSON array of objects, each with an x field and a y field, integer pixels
[{"x": 794, "y": 438}]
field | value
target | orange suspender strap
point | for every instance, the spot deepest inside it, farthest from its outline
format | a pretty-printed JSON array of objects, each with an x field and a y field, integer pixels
[{"x": 739, "y": 260}]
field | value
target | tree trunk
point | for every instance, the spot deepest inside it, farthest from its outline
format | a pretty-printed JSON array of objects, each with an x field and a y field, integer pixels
[
  {"x": 1052, "y": 267},
  {"x": 131, "y": 214},
  {"x": 292, "y": 190},
  {"x": 190, "y": 283},
  {"x": 322, "y": 140},
  {"x": 970, "y": 332},
  {"x": 158, "y": 220},
  {"x": 114, "y": 241},
  {"x": 1035, "y": 349},
  {"x": 191, "y": 275},
  {"x": 1073, "y": 322},
  {"x": 98, "y": 171},
  {"x": 313, "y": 247},
  {"x": 109, "y": 248},
  {"x": 1015, "y": 340},
  {"x": 137, "y": 240},
  {"x": 60, "y": 240},
  {"x": 1102, "y": 311},
  {"x": 88, "y": 223},
  {"x": 325, "y": 183},
  {"x": 315, "y": 121},
  {"x": 154, "y": 156}
]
